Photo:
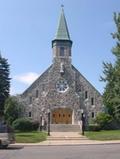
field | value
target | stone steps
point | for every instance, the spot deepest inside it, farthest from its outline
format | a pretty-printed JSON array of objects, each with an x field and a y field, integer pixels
[
  {"x": 66, "y": 138},
  {"x": 64, "y": 128}
]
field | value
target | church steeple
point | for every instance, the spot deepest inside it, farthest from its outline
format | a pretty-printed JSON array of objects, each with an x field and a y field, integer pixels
[
  {"x": 62, "y": 43},
  {"x": 62, "y": 30}
]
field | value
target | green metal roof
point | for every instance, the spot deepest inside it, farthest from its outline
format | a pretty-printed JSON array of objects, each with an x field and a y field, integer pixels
[{"x": 62, "y": 30}]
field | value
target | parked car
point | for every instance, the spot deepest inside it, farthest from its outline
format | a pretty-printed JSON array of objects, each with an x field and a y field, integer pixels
[{"x": 6, "y": 135}]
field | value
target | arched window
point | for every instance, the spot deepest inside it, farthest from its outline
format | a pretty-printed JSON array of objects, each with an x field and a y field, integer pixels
[
  {"x": 86, "y": 94},
  {"x": 92, "y": 101},
  {"x": 37, "y": 93},
  {"x": 30, "y": 100},
  {"x": 61, "y": 51},
  {"x": 43, "y": 87},
  {"x": 93, "y": 114},
  {"x": 69, "y": 52},
  {"x": 30, "y": 114}
]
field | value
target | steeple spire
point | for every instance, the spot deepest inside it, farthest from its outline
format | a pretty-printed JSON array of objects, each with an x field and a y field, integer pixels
[
  {"x": 62, "y": 30},
  {"x": 62, "y": 43}
]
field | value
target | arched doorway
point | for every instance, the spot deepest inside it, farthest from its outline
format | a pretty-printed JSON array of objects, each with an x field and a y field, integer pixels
[{"x": 62, "y": 116}]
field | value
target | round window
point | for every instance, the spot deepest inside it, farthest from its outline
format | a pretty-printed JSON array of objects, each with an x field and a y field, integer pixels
[{"x": 62, "y": 85}]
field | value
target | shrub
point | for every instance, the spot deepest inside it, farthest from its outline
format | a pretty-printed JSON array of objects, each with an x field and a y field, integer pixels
[
  {"x": 94, "y": 127},
  {"x": 114, "y": 125},
  {"x": 25, "y": 124},
  {"x": 104, "y": 121}
]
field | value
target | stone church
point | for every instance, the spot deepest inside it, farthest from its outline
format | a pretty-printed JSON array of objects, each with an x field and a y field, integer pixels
[{"x": 62, "y": 89}]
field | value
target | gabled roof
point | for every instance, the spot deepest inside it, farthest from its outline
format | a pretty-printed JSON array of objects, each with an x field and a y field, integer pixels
[
  {"x": 37, "y": 81},
  {"x": 86, "y": 80},
  {"x": 62, "y": 30}
]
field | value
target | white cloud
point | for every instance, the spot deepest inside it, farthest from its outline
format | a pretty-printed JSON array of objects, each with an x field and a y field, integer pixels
[
  {"x": 26, "y": 78},
  {"x": 12, "y": 91}
]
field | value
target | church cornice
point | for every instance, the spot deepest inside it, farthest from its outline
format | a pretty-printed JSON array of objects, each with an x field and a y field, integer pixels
[{"x": 61, "y": 41}]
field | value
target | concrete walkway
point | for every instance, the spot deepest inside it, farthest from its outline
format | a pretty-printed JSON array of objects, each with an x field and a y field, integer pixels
[{"x": 68, "y": 138}]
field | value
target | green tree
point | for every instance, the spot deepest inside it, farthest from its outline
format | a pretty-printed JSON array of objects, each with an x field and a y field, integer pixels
[
  {"x": 4, "y": 83},
  {"x": 103, "y": 120},
  {"x": 13, "y": 109},
  {"x": 111, "y": 96}
]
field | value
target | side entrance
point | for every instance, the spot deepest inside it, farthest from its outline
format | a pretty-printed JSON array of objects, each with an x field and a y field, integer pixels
[{"x": 61, "y": 116}]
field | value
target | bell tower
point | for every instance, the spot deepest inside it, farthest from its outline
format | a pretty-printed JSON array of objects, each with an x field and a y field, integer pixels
[{"x": 62, "y": 43}]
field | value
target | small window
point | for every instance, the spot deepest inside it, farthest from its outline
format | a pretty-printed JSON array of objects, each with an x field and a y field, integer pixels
[
  {"x": 61, "y": 51},
  {"x": 37, "y": 92},
  {"x": 43, "y": 87},
  {"x": 70, "y": 53},
  {"x": 93, "y": 114},
  {"x": 30, "y": 100},
  {"x": 92, "y": 101},
  {"x": 86, "y": 94},
  {"x": 29, "y": 114}
]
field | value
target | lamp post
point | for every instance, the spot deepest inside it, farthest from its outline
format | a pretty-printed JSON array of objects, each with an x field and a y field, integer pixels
[
  {"x": 40, "y": 123},
  {"x": 83, "y": 121},
  {"x": 48, "y": 122}
]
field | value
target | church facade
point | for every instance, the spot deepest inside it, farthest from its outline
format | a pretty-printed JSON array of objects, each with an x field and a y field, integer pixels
[{"x": 62, "y": 89}]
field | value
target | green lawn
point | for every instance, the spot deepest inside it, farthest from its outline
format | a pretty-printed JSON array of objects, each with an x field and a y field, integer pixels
[
  {"x": 30, "y": 137},
  {"x": 103, "y": 135}
]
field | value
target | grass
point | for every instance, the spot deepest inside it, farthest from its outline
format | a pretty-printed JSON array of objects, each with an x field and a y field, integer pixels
[
  {"x": 103, "y": 135},
  {"x": 30, "y": 137}
]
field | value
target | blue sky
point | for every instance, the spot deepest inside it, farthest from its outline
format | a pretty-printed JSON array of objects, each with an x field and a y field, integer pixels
[{"x": 27, "y": 28}]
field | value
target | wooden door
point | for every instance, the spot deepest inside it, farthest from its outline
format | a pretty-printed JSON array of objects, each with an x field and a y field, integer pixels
[{"x": 62, "y": 116}]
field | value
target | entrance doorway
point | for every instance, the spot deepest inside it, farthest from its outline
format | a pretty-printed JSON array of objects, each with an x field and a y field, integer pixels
[{"x": 62, "y": 116}]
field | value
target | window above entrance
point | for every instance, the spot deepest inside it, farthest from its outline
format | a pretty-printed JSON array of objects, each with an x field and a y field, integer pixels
[{"x": 62, "y": 86}]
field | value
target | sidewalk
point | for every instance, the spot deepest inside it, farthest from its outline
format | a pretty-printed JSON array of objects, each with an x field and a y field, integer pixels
[{"x": 67, "y": 138}]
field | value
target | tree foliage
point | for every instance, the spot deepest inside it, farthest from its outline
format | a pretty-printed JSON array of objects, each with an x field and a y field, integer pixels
[
  {"x": 4, "y": 82},
  {"x": 13, "y": 109},
  {"x": 103, "y": 120},
  {"x": 111, "y": 96}
]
